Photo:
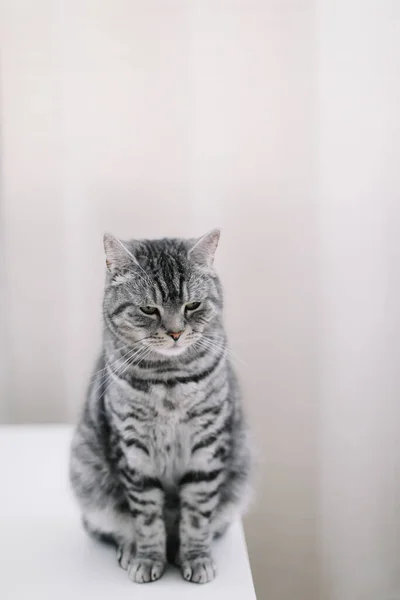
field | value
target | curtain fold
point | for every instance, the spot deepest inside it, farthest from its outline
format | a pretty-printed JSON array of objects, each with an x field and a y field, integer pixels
[{"x": 358, "y": 59}]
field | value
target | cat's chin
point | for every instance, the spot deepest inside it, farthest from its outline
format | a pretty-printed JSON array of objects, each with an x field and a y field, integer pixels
[{"x": 171, "y": 351}]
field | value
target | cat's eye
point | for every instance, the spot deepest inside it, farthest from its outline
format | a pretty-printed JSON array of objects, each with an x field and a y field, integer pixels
[
  {"x": 192, "y": 306},
  {"x": 149, "y": 310}
]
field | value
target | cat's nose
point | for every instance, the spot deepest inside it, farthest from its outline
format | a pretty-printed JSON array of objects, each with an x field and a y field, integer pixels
[{"x": 175, "y": 335}]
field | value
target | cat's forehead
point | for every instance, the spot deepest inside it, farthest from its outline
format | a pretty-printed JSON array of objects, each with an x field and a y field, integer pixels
[
  {"x": 168, "y": 252},
  {"x": 170, "y": 270},
  {"x": 166, "y": 259}
]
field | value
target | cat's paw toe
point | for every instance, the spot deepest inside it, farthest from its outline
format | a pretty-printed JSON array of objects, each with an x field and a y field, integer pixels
[
  {"x": 199, "y": 570},
  {"x": 125, "y": 555},
  {"x": 144, "y": 570}
]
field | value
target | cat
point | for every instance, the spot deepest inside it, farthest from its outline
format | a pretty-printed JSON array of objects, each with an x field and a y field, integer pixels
[{"x": 160, "y": 458}]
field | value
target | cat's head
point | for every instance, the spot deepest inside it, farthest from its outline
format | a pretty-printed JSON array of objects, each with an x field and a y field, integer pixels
[{"x": 162, "y": 294}]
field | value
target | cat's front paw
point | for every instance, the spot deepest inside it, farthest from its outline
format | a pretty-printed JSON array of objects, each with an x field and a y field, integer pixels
[
  {"x": 143, "y": 570},
  {"x": 198, "y": 570},
  {"x": 125, "y": 554}
]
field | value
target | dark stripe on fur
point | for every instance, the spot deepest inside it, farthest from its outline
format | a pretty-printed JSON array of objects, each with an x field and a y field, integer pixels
[
  {"x": 199, "y": 476},
  {"x": 120, "y": 309},
  {"x": 135, "y": 442},
  {"x": 194, "y": 378}
]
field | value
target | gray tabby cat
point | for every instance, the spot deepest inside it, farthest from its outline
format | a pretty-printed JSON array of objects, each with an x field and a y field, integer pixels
[{"x": 160, "y": 458}]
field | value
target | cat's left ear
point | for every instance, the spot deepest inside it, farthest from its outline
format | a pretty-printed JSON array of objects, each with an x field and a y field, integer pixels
[{"x": 203, "y": 249}]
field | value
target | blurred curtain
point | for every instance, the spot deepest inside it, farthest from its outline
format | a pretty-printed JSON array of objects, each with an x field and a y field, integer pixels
[
  {"x": 358, "y": 203},
  {"x": 279, "y": 121}
]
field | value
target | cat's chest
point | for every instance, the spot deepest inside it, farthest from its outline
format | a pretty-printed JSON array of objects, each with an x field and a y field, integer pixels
[{"x": 170, "y": 436}]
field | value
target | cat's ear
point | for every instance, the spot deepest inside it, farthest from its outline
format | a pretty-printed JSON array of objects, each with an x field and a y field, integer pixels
[
  {"x": 118, "y": 257},
  {"x": 203, "y": 249}
]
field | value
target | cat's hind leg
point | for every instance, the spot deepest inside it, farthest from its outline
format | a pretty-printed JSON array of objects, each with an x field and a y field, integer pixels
[{"x": 111, "y": 525}]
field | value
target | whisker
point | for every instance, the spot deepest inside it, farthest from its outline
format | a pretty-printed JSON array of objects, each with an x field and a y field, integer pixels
[
  {"x": 107, "y": 363},
  {"x": 111, "y": 372},
  {"x": 111, "y": 364},
  {"x": 211, "y": 344},
  {"x": 141, "y": 353},
  {"x": 212, "y": 341},
  {"x": 145, "y": 355}
]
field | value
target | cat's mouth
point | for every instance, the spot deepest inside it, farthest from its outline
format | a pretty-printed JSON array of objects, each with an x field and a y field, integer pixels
[{"x": 171, "y": 350}]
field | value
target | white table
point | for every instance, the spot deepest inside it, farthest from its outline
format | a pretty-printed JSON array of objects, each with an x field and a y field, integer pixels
[{"x": 44, "y": 552}]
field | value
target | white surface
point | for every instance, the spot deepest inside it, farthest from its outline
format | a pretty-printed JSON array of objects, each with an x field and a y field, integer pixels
[{"x": 44, "y": 553}]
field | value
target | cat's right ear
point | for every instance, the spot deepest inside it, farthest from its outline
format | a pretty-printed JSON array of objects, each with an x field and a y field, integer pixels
[{"x": 118, "y": 257}]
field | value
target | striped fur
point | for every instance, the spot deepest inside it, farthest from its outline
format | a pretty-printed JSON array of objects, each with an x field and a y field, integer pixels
[{"x": 160, "y": 457}]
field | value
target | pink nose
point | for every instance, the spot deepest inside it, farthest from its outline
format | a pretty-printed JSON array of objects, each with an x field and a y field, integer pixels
[{"x": 175, "y": 335}]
